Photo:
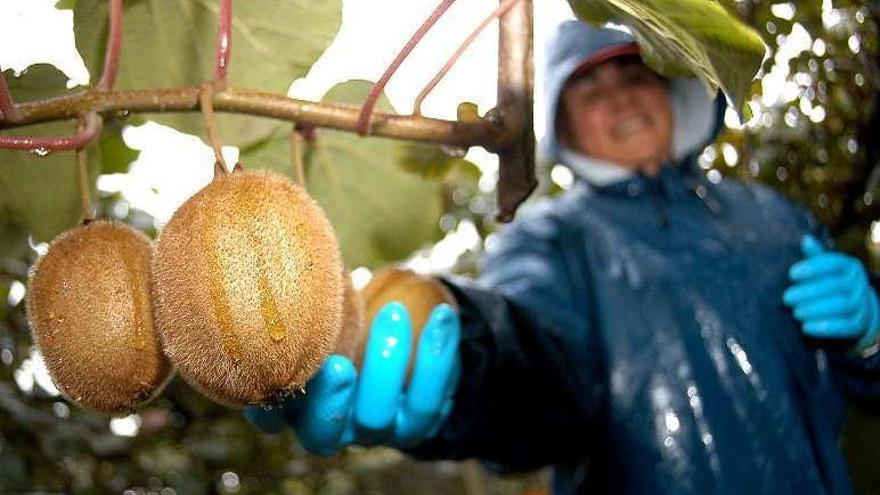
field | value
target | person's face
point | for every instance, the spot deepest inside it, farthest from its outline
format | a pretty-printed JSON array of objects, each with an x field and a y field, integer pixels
[{"x": 618, "y": 112}]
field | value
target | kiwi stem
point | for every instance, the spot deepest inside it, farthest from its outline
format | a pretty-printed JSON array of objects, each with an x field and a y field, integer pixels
[
  {"x": 44, "y": 144},
  {"x": 7, "y": 105},
  {"x": 363, "y": 125},
  {"x": 81, "y": 164},
  {"x": 498, "y": 12},
  {"x": 114, "y": 43},
  {"x": 206, "y": 102},
  {"x": 296, "y": 152},
  {"x": 224, "y": 44}
]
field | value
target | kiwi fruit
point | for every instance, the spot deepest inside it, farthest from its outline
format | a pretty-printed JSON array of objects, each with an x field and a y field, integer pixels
[
  {"x": 353, "y": 334},
  {"x": 418, "y": 293},
  {"x": 248, "y": 298},
  {"x": 89, "y": 309}
]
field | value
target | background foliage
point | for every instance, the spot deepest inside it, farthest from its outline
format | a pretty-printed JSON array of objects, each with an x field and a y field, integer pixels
[{"x": 816, "y": 142}]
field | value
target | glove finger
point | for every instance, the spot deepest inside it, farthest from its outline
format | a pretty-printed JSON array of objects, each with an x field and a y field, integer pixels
[
  {"x": 836, "y": 328},
  {"x": 385, "y": 362},
  {"x": 826, "y": 308},
  {"x": 320, "y": 422},
  {"x": 808, "y": 291},
  {"x": 436, "y": 359},
  {"x": 820, "y": 265},
  {"x": 449, "y": 402},
  {"x": 452, "y": 383}
]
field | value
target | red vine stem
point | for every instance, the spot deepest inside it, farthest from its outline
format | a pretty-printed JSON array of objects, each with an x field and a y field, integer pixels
[
  {"x": 224, "y": 44},
  {"x": 7, "y": 106},
  {"x": 43, "y": 145},
  {"x": 363, "y": 124},
  {"x": 500, "y": 11},
  {"x": 114, "y": 43}
]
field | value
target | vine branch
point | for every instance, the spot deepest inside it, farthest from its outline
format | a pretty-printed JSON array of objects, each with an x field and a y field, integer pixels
[
  {"x": 114, "y": 45},
  {"x": 224, "y": 45},
  {"x": 7, "y": 106},
  {"x": 486, "y": 133},
  {"x": 363, "y": 125},
  {"x": 296, "y": 153},
  {"x": 516, "y": 162},
  {"x": 44, "y": 144},
  {"x": 498, "y": 12},
  {"x": 82, "y": 169}
]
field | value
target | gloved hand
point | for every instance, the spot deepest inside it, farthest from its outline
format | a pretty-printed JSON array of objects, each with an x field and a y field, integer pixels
[
  {"x": 831, "y": 296},
  {"x": 342, "y": 406}
]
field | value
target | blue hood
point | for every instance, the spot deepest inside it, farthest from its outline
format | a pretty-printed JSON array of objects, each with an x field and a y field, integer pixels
[{"x": 696, "y": 114}]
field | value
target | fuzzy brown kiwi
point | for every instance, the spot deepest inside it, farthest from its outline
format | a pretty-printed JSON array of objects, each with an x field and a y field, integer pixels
[
  {"x": 418, "y": 293},
  {"x": 353, "y": 334},
  {"x": 247, "y": 292},
  {"x": 89, "y": 310}
]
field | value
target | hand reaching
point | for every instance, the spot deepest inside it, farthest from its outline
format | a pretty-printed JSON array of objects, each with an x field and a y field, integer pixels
[
  {"x": 831, "y": 296},
  {"x": 373, "y": 406}
]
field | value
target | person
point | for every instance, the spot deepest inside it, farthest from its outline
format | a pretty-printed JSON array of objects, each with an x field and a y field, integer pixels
[{"x": 647, "y": 331}]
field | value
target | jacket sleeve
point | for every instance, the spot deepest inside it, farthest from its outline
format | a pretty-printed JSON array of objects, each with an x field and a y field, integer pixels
[
  {"x": 531, "y": 373},
  {"x": 858, "y": 373}
]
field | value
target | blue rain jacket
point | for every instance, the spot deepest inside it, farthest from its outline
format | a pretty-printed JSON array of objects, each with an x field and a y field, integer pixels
[{"x": 631, "y": 332}]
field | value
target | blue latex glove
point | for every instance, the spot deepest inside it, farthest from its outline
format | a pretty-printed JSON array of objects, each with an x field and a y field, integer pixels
[
  {"x": 342, "y": 406},
  {"x": 831, "y": 296}
]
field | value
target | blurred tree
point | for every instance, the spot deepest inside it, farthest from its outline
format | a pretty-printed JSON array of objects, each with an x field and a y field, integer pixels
[
  {"x": 814, "y": 123},
  {"x": 813, "y": 135}
]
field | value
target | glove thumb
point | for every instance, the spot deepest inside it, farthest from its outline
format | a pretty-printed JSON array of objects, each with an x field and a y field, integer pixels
[{"x": 811, "y": 246}]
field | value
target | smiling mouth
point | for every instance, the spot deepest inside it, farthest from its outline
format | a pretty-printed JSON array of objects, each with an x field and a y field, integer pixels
[{"x": 631, "y": 125}]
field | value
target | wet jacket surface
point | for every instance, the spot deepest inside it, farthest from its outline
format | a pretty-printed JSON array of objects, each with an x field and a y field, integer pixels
[{"x": 632, "y": 334}]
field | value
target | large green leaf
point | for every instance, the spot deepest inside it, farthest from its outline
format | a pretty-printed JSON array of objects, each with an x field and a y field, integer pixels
[
  {"x": 13, "y": 245},
  {"x": 36, "y": 82},
  {"x": 41, "y": 193},
  {"x": 112, "y": 155},
  {"x": 686, "y": 37},
  {"x": 65, "y": 4},
  {"x": 381, "y": 212},
  {"x": 171, "y": 43}
]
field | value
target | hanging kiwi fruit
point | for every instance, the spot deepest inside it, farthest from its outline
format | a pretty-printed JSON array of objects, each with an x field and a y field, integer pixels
[
  {"x": 418, "y": 293},
  {"x": 89, "y": 310},
  {"x": 353, "y": 333},
  {"x": 247, "y": 292}
]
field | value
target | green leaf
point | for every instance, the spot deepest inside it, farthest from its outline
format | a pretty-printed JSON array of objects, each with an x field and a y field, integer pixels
[
  {"x": 171, "y": 43},
  {"x": 13, "y": 242},
  {"x": 381, "y": 212},
  {"x": 36, "y": 82},
  {"x": 431, "y": 162},
  {"x": 41, "y": 193},
  {"x": 686, "y": 37},
  {"x": 113, "y": 154},
  {"x": 65, "y": 4}
]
